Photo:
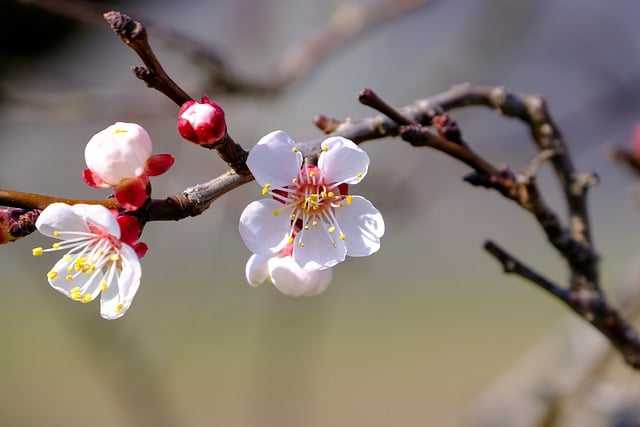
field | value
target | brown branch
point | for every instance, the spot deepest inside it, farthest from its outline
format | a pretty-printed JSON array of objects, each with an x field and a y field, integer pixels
[{"x": 596, "y": 310}]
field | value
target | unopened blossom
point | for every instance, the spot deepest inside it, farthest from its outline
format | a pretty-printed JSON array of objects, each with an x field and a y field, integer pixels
[
  {"x": 6, "y": 226},
  {"x": 120, "y": 157},
  {"x": 315, "y": 200},
  {"x": 202, "y": 122},
  {"x": 98, "y": 261},
  {"x": 286, "y": 275}
]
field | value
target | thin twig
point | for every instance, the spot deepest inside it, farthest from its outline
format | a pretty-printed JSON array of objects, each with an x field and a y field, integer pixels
[{"x": 594, "y": 310}]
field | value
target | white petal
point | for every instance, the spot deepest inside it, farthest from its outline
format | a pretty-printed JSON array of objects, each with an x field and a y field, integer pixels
[
  {"x": 263, "y": 232},
  {"x": 88, "y": 282},
  {"x": 362, "y": 225},
  {"x": 273, "y": 160},
  {"x": 118, "y": 152},
  {"x": 256, "y": 270},
  {"x": 117, "y": 299},
  {"x": 318, "y": 252},
  {"x": 98, "y": 215},
  {"x": 60, "y": 217},
  {"x": 343, "y": 161},
  {"x": 294, "y": 281}
]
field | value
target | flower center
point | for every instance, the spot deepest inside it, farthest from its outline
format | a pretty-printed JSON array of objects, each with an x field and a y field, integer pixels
[{"x": 313, "y": 200}]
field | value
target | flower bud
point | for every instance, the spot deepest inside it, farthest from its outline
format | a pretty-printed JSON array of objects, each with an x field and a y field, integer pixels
[
  {"x": 117, "y": 153},
  {"x": 202, "y": 122},
  {"x": 120, "y": 157},
  {"x": 6, "y": 225}
]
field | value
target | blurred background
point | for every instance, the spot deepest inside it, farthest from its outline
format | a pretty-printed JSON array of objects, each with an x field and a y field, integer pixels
[{"x": 414, "y": 335}]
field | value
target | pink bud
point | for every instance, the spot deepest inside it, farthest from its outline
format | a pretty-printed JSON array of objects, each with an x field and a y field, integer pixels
[
  {"x": 202, "y": 122},
  {"x": 6, "y": 225}
]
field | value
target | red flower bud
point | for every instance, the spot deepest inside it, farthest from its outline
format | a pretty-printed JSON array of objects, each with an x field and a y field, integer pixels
[{"x": 202, "y": 122}]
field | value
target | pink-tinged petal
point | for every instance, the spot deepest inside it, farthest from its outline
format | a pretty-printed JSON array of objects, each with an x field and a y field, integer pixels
[
  {"x": 184, "y": 106},
  {"x": 130, "y": 229},
  {"x": 140, "y": 249},
  {"x": 264, "y": 226},
  {"x": 158, "y": 164},
  {"x": 343, "y": 161},
  {"x": 362, "y": 225},
  {"x": 93, "y": 180},
  {"x": 317, "y": 251},
  {"x": 274, "y": 160},
  {"x": 186, "y": 130},
  {"x": 635, "y": 141},
  {"x": 256, "y": 271},
  {"x": 60, "y": 217},
  {"x": 98, "y": 215},
  {"x": 132, "y": 194},
  {"x": 291, "y": 280}
]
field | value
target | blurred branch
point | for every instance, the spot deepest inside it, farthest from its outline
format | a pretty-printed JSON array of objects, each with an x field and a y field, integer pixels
[{"x": 348, "y": 22}]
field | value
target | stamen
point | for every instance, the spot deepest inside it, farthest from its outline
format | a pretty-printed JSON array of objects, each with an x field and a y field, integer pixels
[
  {"x": 119, "y": 308},
  {"x": 265, "y": 189},
  {"x": 52, "y": 275},
  {"x": 37, "y": 251},
  {"x": 331, "y": 229},
  {"x": 341, "y": 236},
  {"x": 56, "y": 233},
  {"x": 324, "y": 147},
  {"x": 349, "y": 199}
]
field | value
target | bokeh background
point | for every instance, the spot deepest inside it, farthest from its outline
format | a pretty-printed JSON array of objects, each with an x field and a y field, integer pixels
[{"x": 410, "y": 336}]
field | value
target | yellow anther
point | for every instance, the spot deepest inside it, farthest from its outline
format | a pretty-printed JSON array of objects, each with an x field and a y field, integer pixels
[
  {"x": 75, "y": 290},
  {"x": 119, "y": 308},
  {"x": 323, "y": 194},
  {"x": 349, "y": 200},
  {"x": 292, "y": 216},
  {"x": 52, "y": 275},
  {"x": 87, "y": 298},
  {"x": 295, "y": 149},
  {"x": 324, "y": 147},
  {"x": 313, "y": 199},
  {"x": 331, "y": 229},
  {"x": 56, "y": 245},
  {"x": 276, "y": 212},
  {"x": 360, "y": 175},
  {"x": 37, "y": 251},
  {"x": 341, "y": 236},
  {"x": 68, "y": 277},
  {"x": 312, "y": 174},
  {"x": 330, "y": 194},
  {"x": 301, "y": 245},
  {"x": 265, "y": 189},
  {"x": 114, "y": 258},
  {"x": 104, "y": 286},
  {"x": 290, "y": 241},
  {"x": 56, "y": 233},
  {"x": 76, "y": 297}
]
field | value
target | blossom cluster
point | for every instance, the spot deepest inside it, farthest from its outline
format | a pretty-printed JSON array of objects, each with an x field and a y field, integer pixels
[{"x": 308, "y": 222}]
